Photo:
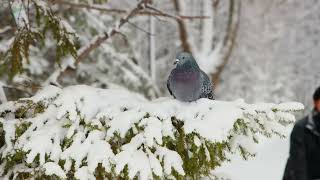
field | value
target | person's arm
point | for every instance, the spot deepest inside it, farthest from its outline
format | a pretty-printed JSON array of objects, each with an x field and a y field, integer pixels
[{"x": 297, "y": 163}]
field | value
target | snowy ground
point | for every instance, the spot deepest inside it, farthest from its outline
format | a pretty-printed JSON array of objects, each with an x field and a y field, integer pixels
[{"x": 269, "y": 163}]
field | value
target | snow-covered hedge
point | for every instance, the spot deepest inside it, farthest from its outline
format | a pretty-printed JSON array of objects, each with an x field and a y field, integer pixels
[{"x": 87, "y": 133}]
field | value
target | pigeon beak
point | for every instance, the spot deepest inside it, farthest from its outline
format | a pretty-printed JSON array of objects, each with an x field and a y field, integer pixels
[{"x": 176, "y": 61}]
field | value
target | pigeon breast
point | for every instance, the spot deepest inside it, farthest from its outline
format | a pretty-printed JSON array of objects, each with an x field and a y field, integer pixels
[{"x": 186, "y": 86}]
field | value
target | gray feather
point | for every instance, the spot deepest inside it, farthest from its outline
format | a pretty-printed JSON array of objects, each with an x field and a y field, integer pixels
[{"x": 207, "y": 91}]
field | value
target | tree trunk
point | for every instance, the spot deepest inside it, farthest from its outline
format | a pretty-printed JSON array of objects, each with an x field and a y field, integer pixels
[
  {"x": 182, "y": 29},
  {"x": 229, "y": 39}
]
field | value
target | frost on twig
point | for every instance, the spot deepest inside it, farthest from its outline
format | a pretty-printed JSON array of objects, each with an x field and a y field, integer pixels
[{"x": 86, "y": 133}]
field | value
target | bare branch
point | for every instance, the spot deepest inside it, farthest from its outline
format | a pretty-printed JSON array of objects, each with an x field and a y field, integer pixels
[
  {"x": 121, "y": 11},
  {"x": 124, "y": 37},
  {"x": 162, "y": 13},
  {"x": 141, "y": 29},
  {"x": 182, "y": 17},
  {"x": 84, "y": 52},
  {"x": 98, "y": 40},
  {"x": 88, "y": 6},
  {"x": 158, "y": 18},
  {"x": 176, "y": 17},
  {"x": 141, "y": 7}
]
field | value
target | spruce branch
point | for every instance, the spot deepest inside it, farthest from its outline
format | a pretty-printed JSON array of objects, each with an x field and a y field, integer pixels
[{"x": 32, "y": 34}]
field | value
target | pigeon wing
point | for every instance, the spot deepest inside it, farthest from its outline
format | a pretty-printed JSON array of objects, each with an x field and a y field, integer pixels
[
  {"x": 168, "y": 85},
  {"x": 206, "y": 89}
]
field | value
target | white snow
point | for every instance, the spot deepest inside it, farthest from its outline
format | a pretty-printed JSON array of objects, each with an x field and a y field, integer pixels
[
  {"x": 83, "y": 174},
  {"x": 3, "y": 97},
  {"x": 67, "y": 26},
  {"x": 6, "y": 43},
  {"x": 137, "y": 161},
  {"x": 54, "y": 169},
  {"x": 171, "y": 160},
  {"x": 92, "y": 118}
]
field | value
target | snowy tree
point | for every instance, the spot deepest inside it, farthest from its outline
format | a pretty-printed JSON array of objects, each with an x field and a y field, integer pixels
[{"x": 86, "y": 133}]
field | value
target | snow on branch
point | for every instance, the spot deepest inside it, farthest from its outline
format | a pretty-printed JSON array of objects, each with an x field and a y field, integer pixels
[
  {"x": 83, "y": 52},
  {"x": 99, "y": 39},
  {"x": 86, "y": 133}
]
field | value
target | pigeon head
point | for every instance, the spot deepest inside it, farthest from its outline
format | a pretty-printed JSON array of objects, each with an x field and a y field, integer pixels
[{"x": 186, "y": 61}]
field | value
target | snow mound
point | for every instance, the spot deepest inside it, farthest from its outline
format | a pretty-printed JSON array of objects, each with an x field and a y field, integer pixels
[{"x": 86, "y": 133}]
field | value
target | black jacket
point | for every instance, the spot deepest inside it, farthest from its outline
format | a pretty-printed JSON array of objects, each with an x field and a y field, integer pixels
[{"x": 304, "y": 159}]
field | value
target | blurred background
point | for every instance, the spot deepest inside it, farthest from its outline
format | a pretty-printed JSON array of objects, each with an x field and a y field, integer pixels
[{"x": 260, "y": 51}]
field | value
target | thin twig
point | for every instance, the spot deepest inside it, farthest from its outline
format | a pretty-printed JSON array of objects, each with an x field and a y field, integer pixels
[
  {"x": 124, "y": 37},
  {"x": 182, "y": 17},
  {"x": 88, "y": 6},
  {"x": 162, "y": 13},
  {"x": 141, "y": 29},
  {"x": 159, "y": 19}
]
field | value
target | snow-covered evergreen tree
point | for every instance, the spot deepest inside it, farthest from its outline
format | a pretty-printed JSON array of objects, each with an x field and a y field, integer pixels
[{"x": 86, "y": 133}]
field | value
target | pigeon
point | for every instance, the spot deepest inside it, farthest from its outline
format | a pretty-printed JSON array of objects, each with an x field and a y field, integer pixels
[{"x": 187, "y": 82}]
